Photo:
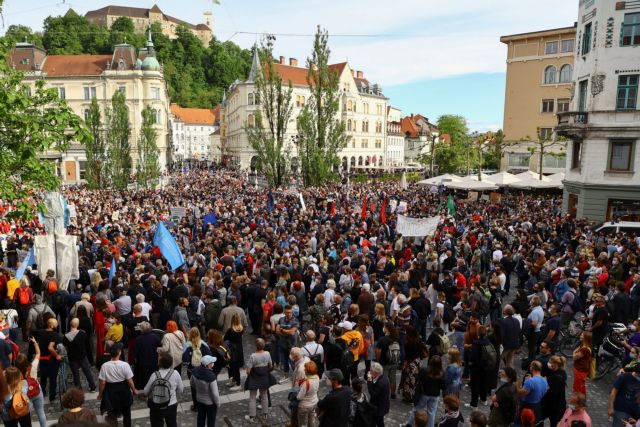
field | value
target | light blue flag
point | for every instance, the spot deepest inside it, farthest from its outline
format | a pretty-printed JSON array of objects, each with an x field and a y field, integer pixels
[
  {"x": 168, "y": 246},
  {"x": 112, "y": 271},
  {"x": 29, "y": 260}
]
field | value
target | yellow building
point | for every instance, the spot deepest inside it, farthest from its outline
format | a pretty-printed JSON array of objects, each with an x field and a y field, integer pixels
[
  {"x": 538, "y": 86},
  {"x": 143, "y": 18},
  {"x": 80, "y": 78}
]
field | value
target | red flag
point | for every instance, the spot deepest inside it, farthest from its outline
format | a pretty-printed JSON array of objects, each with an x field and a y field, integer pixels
[
  {"x": 383, "y": 211},
  {"x": 333, "y": 209},
  {"x": 363, "y": 214}
]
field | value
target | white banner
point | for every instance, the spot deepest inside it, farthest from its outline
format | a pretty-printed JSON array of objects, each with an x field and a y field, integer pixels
[
  {"x": 402, "y": 207},
  {"x": 416, "y": 227},
  {"x": 393, "y": 204},
  {"x": 178, "y": 211}
]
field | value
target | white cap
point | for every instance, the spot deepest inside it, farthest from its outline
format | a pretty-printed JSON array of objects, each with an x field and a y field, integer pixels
[{"x": 346, "y": 325}]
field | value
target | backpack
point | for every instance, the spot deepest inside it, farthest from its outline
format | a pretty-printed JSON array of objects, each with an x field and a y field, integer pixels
[
  {"x": 212, "y": 314},
  {"x": 23, "y": 296},
  {"x": 40, "y": 319},
  {"x": 346, "y": 356},
  {"x": 488, "y": 356},
  {"x": 449, "y": 315},
  {"x": 393, "y": 353},
  {"x": 576, "y": 304},
  {"x": 483, "y": 304},
  {"x": 160, "y": 394},
  {"x": 196, "y": 356},
  {"x": 15, "y": 350},
  {"x": 19, "y": 406},
  {"x": 58, "y": 301},
  {"x": 34, "y": 387},
  {"x": 192, "y": 311},
  {"x": 226, "y": 349},
  {"x": 315, "y": 358},
  {"x": 52, "y": 286},
  {"x": 444, "y": 344}
]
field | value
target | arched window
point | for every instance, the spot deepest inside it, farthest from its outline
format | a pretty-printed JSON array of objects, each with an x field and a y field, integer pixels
[
  {"x": 349, "y": 125},
  {"x": 251, "y": 99},
  {"x": 350, "y": 106},
  {"x": 380, "y": 161},
  {"x": 363, "y": 126},
  {"x": 359, "y": 160},
  {"x": 550, "y": 75},
  {"x": 251, "y": 121},
  {"x": 367, "y": 161},
  {"x": 353, "y": 161},
  {"x": 257, "y": 98},
  {"x": 565, "y": 73}
]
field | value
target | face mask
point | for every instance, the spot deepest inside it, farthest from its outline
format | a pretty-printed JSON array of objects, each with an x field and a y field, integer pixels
[{"x": 550, "y": 366}]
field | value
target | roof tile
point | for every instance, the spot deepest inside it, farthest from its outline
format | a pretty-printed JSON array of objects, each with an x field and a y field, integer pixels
[
  {"x": 199, "y": 116},
  {"x": 75, "y": 65}
]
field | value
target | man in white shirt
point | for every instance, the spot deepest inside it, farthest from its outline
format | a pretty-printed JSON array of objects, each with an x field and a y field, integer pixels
[
  {"x": 123, "y": 303},
  {"x": 313, "y": 350},
  {"x": 497, "y": 254},
  {"x": 116, "y": 379},
  {"x": 145, "y": 306}
]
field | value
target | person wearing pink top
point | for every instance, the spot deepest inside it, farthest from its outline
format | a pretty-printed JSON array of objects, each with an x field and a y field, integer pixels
[{"x": 576, "y": 411}]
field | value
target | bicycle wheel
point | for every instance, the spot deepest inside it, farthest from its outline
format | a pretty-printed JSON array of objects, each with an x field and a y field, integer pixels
[
  {"x": 62, "y": 382},
  {"x": 568, "y": 344},
  {"x": 603, "y": 367}
]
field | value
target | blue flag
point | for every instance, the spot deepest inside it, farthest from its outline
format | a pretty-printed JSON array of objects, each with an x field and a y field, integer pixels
[
  {"x": 29, "y": 260},
  {"x": 168, "y": 246},
  {"x": 209, "y": 218},
  {"x": 270, "y": 204},
  {"x": 112, "y": 270}
]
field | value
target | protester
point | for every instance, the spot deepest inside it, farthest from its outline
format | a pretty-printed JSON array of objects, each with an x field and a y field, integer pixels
[
  {"x": 164, "y": 413},
  {"x": 333, "y": 409},
  {"x": 428, "y": 390},
  {"x": 576, "y": 411},
  {"x": 234, "y": 337},
  {"x": 16, "y": 406},
  {"x": 504, "y": 401},
  {"x": 205, "y": 386},
  {"x": 378, "y": 386},
  {"x": 308, "y": 396},
  {"x": 259, "y": 379},
  {"x": 554, "y": 402},
  {"x": 116, "y": 388},
  {"x": 72, "y": 401},
  {"x": 76, "y": 343},
  {"x": 582, "y": 363}
]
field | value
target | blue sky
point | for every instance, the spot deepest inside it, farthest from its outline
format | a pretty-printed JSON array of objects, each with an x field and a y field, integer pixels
[{"x": 431, "y": 57}]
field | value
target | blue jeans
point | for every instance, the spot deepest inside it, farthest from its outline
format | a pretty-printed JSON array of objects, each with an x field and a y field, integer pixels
[
  {"x": 619, "y": 419},
  {"x": 38, "y": 405},
  {"x": 284, "y": 348},
  {"x": 207, "y": 412},
  {"x": 426, "y": 403}
]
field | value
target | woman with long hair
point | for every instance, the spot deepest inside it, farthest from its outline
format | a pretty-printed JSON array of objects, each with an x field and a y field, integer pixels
[
  {"x": 378, "y": 321},
  {"x": 429, "y": 387},
  {"x": 415, "y": 350},
  {"x": 369, "y": 353},
  {"x": 234, "y": 337},
  {"x": 29, "y": 371},
  {"x": 194, "y": 350},
  {"x": 101, "y": 316},
  {"x": 15, "y": 386},
  {"x": 554, "y": 402},
  {"x": 582, "y": 362}
]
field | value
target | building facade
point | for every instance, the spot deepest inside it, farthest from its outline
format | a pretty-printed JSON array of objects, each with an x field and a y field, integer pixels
[
  {"x": 80, "y": 78},
  {"x": 143, "y": 18},
  {"x": 192, "y": 133},
  {"x": 363, "y": 109},
  {"x": 602, "y": 177},
  {"x": 538, "y": 87},
  {"x": 419, "y": 136},
  {"x": 395, "y": 138}
]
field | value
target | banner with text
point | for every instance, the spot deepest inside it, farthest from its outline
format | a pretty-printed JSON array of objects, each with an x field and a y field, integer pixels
[{"x": 417, "y": 227}]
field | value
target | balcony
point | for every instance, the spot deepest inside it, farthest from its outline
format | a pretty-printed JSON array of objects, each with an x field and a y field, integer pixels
[{"x": 573, "y": 118}]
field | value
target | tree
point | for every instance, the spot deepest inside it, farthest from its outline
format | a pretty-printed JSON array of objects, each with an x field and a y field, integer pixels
[
  {"x": 123, "y": 31},
  {"x": 321, "y": 133},
  {"x": 493, "y": 156},
  {"x": 117, "y": 140},
  {"x": 148, "y": 170},
  {"x": 268, "y": 130},
  {"x": 95, "y": 148},
  {"x": 22, "y": 33},
  {"x": 458, "y": 154},
  {"x": 542, "y": 146},
  {"x": 455, "y": 126},
  {"x": 73, "y": 34},
  {"x": 32, "y": 122}
]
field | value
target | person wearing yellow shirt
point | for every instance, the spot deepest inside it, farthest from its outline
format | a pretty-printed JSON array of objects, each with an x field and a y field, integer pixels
[
  {"x": 115, "y": 332},
  {"x": 355, "y": 341},
  {"x": 12, "y": 285}
]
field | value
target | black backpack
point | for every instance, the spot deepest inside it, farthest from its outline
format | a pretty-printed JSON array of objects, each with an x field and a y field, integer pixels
[
  {"x": 315, "y": 358},
  {"x": 160, "y": 394},
  {"x": 488, "y": 357},
  {"x": 346, "y": 356},
  {"x": 192, "y": 310},
  {"x": 448, "y": 314}
]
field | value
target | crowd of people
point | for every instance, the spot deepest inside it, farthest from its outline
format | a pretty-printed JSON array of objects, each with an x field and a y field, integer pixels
[{"x": 329, "y": 292}]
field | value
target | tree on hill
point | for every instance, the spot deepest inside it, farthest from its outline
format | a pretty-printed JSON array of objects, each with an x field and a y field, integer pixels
[
  {"x": 22, "y": 33},
  {"x": 73, "y": 34},
  {"x": 123, "y": 31}
]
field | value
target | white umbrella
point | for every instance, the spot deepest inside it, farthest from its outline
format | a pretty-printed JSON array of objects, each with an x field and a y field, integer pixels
[
  {"x": 442, "y": 179},
  {"x": 472, "y": 185},
  {"x": 532, "y": 180},
  {"x": 557, "y": 178},
  {"x": 485, "y": 177},
  {"x": 503, "y": 179}
]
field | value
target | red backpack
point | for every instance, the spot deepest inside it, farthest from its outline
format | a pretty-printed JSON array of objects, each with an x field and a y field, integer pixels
[
  {"x": 52, "y": 286},
  {"x": 23, "y": 296},
  {"x": 15, "y": 350},
  {"x": 34, "y": 387}
]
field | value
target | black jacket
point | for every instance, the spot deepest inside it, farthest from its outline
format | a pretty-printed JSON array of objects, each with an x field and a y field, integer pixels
[
  {"x": 334, "y": 408},
  {"x": 511, "y": 332},
  {"x": 380, "y": 395},
  {"x": 76, "y": 345}
]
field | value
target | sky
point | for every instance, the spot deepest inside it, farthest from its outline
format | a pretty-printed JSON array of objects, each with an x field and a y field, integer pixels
[{"x": 431, "y": 57}]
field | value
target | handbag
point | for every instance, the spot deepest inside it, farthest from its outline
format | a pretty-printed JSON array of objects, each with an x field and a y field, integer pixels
[{"x": 292, "y": 397}]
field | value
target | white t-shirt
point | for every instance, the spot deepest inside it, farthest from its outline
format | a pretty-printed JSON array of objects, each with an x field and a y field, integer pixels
[
  {"x": 115, "y": 371},
  {"x": 313, "y": 348},
  {"x": 497, "y": 255},
  {"x": 146, "y": 308}
]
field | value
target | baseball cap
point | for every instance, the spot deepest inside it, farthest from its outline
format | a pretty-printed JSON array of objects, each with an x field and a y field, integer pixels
[
  {"x": 346, "y": 325},
  {"x": 207, "y": 360}
]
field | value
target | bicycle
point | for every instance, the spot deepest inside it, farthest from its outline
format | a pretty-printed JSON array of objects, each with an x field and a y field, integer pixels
[
  {"x": 64, "y": 378},
  {"x": 570, "y": 336}
]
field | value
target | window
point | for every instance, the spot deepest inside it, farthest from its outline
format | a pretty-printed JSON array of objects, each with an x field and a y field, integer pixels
[
  {"x": 378, "y": 143},
  {"x": 27, "y": 90},
  {"x": 630, "y": 30},
  {"x": 158, "y": 117},
  {"x": 251, "y": 121},
  {"x": 359, "y": 160},
  {"x": 25, "y": 61},
  {"x": 576, "y": 154},
  {"x": 62, "y": 93},
  {"x": 547, "y": 105},
  {"x": 155, "y": 93},
  {"x": 567, "y": 45},
  {"x": 122, "y": 90},
  {"x": 627, "y": 92},
  {"x": 365, "y": 143},
  {"x": 582, "y": 95},
  {"x": 620, "y": 155},
  {"x": 550, "y": 75},
  {"x": 250, "y": 100},
  {"x": 551, "y": 161},
  {"x": 86, "y": 114},
  {"x": 545, "y": 133},
  {"x": 379, "y": 109},
  {"x": 83, "y": 169},
  {"x": 565, "y": 73},
  {"x": 349, "y": 105},
  {"x": 349, "y": 125},
  {"x": 586, "y": 39},
  {"x": 563, "y": 105},
  {"x": 551, "y": 48},
  {"x": 519, "y": 160},
  {"x": 366, "y": 108}
]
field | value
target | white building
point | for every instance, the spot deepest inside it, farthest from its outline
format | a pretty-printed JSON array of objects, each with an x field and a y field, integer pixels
[
  {"x": 192, "y": 131},
  {"x": 419, "y": 135},
  {"x": 602, "y": 180},
  {"x": 363, "y": 109},
  {"x": 395, "y": 138}
]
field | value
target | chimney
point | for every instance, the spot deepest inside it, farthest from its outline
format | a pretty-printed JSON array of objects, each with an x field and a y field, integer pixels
[
  {"x": 282, "y": 60},
  {"x": 360, "y": 75},
  {"x": 293, "y": 62}
]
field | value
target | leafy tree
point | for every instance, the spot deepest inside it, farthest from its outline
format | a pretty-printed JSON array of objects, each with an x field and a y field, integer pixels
[
  {"x": 30, "y": 125},
  {"x": 268, "y": 131},
  {"x": 73, "y": 34},
  {"x": 321, "y": 133},
  {"x": 455, "y": 126},
  {"x": 95, "y": 148},
  {"x": 493, "y": 156},
  {"x": 22, "y": 33},
  {"x": 450, "y": 157},
  {"x": 123, "y": 31},
  {"x": 117, "y": 141},
  {"x": 148, "y": 170}
]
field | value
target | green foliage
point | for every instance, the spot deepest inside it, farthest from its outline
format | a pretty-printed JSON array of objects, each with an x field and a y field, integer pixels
[
  {"x": 30, "y": 125},
  {"x": 148, "y": 170},
  {"x": 267, "y": 133},
  {"x": 95, "y": 149},
  {"x": 123, "y": 31},
  {"x": 450, "y": 158},
  {"x": 321, "y": 134},
  {"x": 543, "y": 145},
  {"x": 117, "y": 140},
  {"x": 73, "y": 34},
  {"x": 493, "y": 156},
  {"x": 455, "y": 126},
  {"x": 22, "y": 33}
]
